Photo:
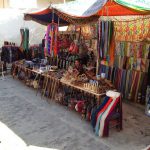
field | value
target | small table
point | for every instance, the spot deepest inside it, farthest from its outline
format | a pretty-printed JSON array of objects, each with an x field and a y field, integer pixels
[{"x": 98, "y": 95}]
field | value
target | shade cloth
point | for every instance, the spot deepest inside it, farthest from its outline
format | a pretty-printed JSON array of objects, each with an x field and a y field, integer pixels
[
  {"x": 141, "y": 5},
  {"x": 98, "y": 8}
]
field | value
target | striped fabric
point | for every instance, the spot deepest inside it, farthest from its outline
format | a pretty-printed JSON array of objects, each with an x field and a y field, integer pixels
[
  {"x": 112, "y": 100},
  {"x": 99, "y": 116}
]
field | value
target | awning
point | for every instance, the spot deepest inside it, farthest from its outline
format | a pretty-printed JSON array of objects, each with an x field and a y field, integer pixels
[
  {"x": 140, "y": 5},
  {"x": 114, "y": 9},
  {"x": 92, "y": 13},
  {"x": 67, "y": 17},
  {"x": 46, "y": 16}
]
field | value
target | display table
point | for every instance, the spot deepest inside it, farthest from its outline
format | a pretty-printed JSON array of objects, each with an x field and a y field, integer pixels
[
  {"x": 82, "y": 89},
  {"x": 51, "y": 83}
]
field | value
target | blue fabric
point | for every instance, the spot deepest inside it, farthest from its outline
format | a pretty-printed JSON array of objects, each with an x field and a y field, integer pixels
[
  {"x": 107, "y": 72},
  {"x": 102, "y": 39},
  {"x": 47, "y": 18},
  {"x": 98, "y": 124},
  {"x": 96, "y": 111},
  {"x": 123, "y": 82}
]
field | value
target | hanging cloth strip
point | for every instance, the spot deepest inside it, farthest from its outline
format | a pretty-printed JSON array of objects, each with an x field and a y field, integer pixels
[
  {"x": 51, "y": 42},
  {"x": 112, "y": 51},
  {"x": 22, "y": 40},
  {"x": 144, "y": 87},
  {"x": 128, "y": 83},
  {"x": 135, "y": 83},
  {"x": 48, "y": 40},
  {"x": 106, "y": 39},
  {"x": 102, "y": 39},
  {"x": 138, "y": 87},
  {"x": 99, "y": 39},
  {"x": 26, "y": 39},
  {"x": 123, "y": 82}
]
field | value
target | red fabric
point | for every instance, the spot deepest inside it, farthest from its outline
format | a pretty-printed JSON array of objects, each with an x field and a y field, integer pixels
[
  {"x": 73, "y": 48},
  {"x": 104, "y": 108},
  {"x": 80, "y": 105},
  {"x": 110, "y": 111},
  {"x": 114, "y": 9},
  {"x": 112, "y": 51},
  {"x": 42, "y": 12}
]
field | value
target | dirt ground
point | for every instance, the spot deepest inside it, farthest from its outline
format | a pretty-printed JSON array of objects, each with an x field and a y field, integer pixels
[{"x": 28, "y": 122}]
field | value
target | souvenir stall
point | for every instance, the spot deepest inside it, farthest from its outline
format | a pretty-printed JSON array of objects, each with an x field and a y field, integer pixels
[
  {"x": 123, "y": 51},
  {"x": 67, "y": 77}
]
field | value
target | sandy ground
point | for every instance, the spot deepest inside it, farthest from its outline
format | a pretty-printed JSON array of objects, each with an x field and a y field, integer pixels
[{"x": 28, "y": 122}]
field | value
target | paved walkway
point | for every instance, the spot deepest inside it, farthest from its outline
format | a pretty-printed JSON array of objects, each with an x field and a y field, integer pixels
[{"x": 29, "y": 122}]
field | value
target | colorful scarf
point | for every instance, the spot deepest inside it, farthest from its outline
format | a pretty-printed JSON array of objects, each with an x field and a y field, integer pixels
[{"x": 51, "y": 46}]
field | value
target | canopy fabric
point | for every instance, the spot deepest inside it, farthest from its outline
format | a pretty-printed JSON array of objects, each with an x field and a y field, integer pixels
[
  {"x": 141, "y": 5},
  {"x": 98, "y": 5},
  {"x": 98, "y": 8},
  {"x": 66, "y": 17},
  {"x": 46, "y": 16},
  {"x": 80, "y": 8},
  {"x": 114, "y": 9}
]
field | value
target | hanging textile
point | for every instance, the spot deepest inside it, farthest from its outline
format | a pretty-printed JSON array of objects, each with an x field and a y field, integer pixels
[
  {"x": 24, "y": 45},
  {"x": 26, "y": 39},
  {"x": 105, "y": 32},
  {"x": 134, "y": 31},
  {"x": 51, "y": 40},
  {"x": 22, "y": 39},
  {"x": 112, "y": 51},
  {"x": 132, "y": 56}
]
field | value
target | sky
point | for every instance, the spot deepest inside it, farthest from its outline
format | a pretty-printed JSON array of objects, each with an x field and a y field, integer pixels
[{"x": 23, "y": 3}]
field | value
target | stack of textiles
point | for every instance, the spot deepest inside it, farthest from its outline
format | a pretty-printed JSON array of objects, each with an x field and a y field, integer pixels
[
  {"x": 101, "y": 115},
  {"x": 10, "y": 53}
]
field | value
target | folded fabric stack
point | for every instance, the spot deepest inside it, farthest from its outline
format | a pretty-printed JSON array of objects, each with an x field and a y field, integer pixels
[
  {"x": 10, "y": 54},
  {"x": 100, "y": 115}
]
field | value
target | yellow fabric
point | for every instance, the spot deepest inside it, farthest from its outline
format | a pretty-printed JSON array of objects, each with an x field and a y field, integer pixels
[{"x": 134, "y": 31}]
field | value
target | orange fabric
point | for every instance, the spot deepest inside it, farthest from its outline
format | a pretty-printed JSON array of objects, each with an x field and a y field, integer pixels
[
  {"x": 112, "y": 51},
  {"x": 104, "y": 108},
  {"x": 114, "y": 9}
]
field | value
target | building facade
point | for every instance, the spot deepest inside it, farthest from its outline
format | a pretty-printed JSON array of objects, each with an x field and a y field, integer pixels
[
  {"x": 36, "y": 3},
  {"x": 4, "y": 3}
]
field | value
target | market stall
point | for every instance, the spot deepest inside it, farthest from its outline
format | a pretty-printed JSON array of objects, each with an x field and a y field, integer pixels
[{"x": 80, "y": 68}]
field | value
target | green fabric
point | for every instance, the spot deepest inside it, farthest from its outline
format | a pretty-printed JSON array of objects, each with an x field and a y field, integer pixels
[
  {"x": 26, "y": 39},
  {"x": 141, "y": 5}
]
